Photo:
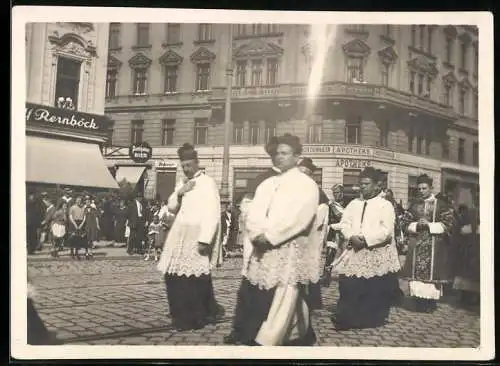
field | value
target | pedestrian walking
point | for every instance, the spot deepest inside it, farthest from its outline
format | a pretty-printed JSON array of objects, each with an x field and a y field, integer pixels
[
  {"x": 136, "y": 221},
  {"x": 366, "y": 276},
  {"x": 429, "y": 223},
  {"x": 192, "y": 247}
]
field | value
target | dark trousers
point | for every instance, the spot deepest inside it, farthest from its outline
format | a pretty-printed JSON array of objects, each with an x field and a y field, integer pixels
[
  {"x": 31, "y": 238},
  {"x": 136, "y": 238}
]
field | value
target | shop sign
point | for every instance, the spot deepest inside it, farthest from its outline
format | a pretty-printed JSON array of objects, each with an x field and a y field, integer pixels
[
  {"x": 140, "y": 153},
  {"x": 353, "y": 163},
  {"x": 65, "y": 118},
  {"x": 338, "y": 150},
  {"x": 166, "y": 164}
]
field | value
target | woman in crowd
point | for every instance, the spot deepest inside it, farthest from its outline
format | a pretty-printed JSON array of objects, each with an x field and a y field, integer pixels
[
  {"x": 58, "y": 227},
  {"x": 77, "y": 235},
  {"x": 120, "y": 220},
  {"x": 91, "y": 226}
]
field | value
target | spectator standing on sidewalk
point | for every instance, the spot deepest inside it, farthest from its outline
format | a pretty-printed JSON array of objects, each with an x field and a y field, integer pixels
[{"x": 136, "y": 222}]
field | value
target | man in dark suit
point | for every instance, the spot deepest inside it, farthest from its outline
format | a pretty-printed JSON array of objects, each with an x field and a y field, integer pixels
[
  {"x": 229, "y": 227},
  {"x": 136, "y": 217}
]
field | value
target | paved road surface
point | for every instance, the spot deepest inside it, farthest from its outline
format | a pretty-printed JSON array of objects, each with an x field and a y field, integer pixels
[{"x": 121, "y": 300}]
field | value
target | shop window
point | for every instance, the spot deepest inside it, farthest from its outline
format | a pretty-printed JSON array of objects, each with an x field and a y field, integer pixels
[
  {"x": 168, "y": 132},
  {"x": 353, "y": 131},
  {"x": 67, "y": 83},
  {"x": 137, "y": 131},
  {"x": 238, "y": 132},
  {"x": 200, "y": 131}
]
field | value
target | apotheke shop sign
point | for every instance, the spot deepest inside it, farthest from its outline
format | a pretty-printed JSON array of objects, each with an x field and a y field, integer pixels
[
  {"x": 64, "y": 118},
  {"x": 338, "y": 150}
]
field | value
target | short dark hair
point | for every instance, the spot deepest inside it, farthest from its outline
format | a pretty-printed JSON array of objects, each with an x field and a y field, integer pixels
[
  {"x": 424, "y": 179},
  {"x": 292, "y": 141},
  {"x": 372, "y": 173}
]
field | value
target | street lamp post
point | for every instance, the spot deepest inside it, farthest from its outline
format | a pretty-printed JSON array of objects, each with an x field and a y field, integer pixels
[{"x": 224, "y": 193}]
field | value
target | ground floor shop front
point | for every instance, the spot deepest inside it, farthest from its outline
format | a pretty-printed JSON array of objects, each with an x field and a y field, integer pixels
[{"x": 336, "y": 164}]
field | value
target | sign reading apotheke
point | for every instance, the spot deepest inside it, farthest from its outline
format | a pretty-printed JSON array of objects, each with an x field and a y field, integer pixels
[
  {"x": 338, "y": 150},
  {"x": 65, "y": 118},
  {"x": 353, "y": 163},
  {"x": 140, "y": 153}
]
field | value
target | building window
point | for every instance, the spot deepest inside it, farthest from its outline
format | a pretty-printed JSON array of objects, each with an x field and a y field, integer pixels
[
  {"x": 411, "y": 137},
  {"x": 412, "y": 81},
  {"x": 241, "y": 73},
  {"x": 429, "y": 87},
  {"x": 412, "y": 188},
  {"x": 204, "y": 32},
  {"x": 114, "y": 36},
  {"x": 420, "y": 142},
  {"x": 430, "y": 33},
  {"x": 387, "y": 31},
  {"x": 476, "y": 106},
  {"x": 314, "y": 130},
  {"x": 173, "y": 33},
  {"x": 461, "y": 150},
  {"x": 464, "y": 48},
  {"x": 241, "y": 29},
  {"x": 475, "y": 153},
  {"x": 67, "y": 83},
  {"x": 422, "y": 37},
  {"x": 257, "y": 29},
  {"x": 203, "y": 76},
  {"x": 428, "y": 141},
  {"x": 476, "y": 58},
  {"x": 448, "y": 94},
  {"x": 272, "y": 71},
  {"x": 462, "y": 102},
  {"x": 445, "y": 147},
  {"x": 420, "y": 84},
  {"x": 414, "y": 36},
  {"x": 111, "y": 82},
  {"x": 238, "y": 133},
  {"x": 384, "y": 134},
  {"x": 109, "y": 140},
  {"x": 143, "y": 34},
  {"x": 254, "y": 134},
  {"x": 171, "y": 79},
  {"x": 272, "y": 28},
  {"x": 385, "y": 73},
  {"x": 270, "y": 130},
  {"x": 200, "y": 131},
  {"x": 355, "y": 69},
  {"x": 140, "y": 81},
  {"x": 137, "y": 131},
  {"x": 256, "y": 72},
  {"x": 353, "y": 131},
  {"x": 449, "y": 49},
  {"x": 167, "y": 132}
]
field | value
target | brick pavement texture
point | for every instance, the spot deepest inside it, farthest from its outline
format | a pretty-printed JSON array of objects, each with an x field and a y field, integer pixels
[{"x": 123, "y": 302}]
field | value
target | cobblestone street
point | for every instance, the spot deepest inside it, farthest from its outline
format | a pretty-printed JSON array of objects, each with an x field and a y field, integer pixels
[{"x": 121, "y": 300}]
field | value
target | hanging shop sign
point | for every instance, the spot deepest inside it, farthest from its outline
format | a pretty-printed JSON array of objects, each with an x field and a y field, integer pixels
[
  {"x": 140, "y": 153},
  {"x": 353, "y": 163},
  {"x": 37, "y": 114},
  {"x": 165, "y": 164}
]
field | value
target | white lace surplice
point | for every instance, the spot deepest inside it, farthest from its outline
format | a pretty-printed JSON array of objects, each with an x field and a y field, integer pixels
[
  {"x": 377, "y": 226},
  {"x": 198, "y": 220}
]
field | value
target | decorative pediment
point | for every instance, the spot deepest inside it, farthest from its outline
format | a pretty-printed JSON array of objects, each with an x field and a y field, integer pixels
[
  {"x": 421, "y": 64},
  {"x": 450, "y": 31},
  {"x": 388, "y": 55},
  {"x": 465, "y": 84},
  {"x": 113, "y": 62},
  {"x": 139, "y": 60},
  {"x": 202, "y": 54},
  {"x": 170, "y": 58},
  {"x": 258, "y": 48},
  {"x": 73, "y": 43},
  {"x": 356, "y": 47},
  {"x": 450, "y": 78},
  {"x": 77, "y": 26},
  {"x": 465, "y": 38}
]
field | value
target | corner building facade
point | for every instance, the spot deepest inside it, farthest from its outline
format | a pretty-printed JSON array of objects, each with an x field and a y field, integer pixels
[{"x": 400, "y": 98}]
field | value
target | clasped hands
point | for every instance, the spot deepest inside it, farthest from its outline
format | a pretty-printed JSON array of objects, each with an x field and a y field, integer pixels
[
  {"x": 357, "y": 242},
  {"x": 204, "y": 248},
  {"x": 261, "y": 244}
]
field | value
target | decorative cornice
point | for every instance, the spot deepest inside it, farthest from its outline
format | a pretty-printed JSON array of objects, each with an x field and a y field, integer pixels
[
  {"x": 113, "y": 62},
  {"x": 450, "y": 31},
  {"x": 202, "y": 54},
  {"x": 77, "y": 42},
  {"x": 170, "y": 58},
  {"x": 388, "y": 55},
  {"x": 139, "y": 60},
  {"x": 450, "y": 78},
  {"x": 422, "y": 65},
  {"x": 356, "y": 48},
  {"x": 258, "y": 48},
  {"x": 77, "y": 26}
]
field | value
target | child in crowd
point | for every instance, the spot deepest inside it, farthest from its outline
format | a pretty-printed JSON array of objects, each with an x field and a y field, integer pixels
[{"x": 155, "y": 244}]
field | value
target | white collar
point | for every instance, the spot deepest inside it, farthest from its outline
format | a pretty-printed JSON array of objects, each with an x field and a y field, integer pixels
[
  {"x": 430, "y": 198},
  {"x": 277, "y": 170}
]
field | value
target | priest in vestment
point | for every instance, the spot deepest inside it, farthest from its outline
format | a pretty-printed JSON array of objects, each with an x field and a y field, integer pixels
[
  {"x": 366, "y": 277},
  {"x": 192, "y": 247},
  {"x": 284, "y": 261},
  {"x": 429, "y": 223}
]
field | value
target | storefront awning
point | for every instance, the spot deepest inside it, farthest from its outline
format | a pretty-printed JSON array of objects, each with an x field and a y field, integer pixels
[
  {"x": 64, "y": 162},
  {"x": 131, "y": 174}
]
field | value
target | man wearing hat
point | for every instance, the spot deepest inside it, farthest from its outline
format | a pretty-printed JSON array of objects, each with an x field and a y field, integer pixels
[
  {"x": 192, "y": 247},
  {"x": 430, "y": 223},
  {"x": 366, "y": 277},
  {"x": 284, "y": 260}
]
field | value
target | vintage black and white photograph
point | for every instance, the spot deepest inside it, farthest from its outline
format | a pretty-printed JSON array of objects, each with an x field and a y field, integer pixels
[{"x": 220, "y": 179}]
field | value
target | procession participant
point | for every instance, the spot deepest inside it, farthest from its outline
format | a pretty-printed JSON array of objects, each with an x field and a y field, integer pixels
[
  {"x": 429, "y": 222},
  {"x": 334, "y": 239},
  {"x": 241, "y": 302},
  {"x": 284, "y": 261},
  {"x": 366, "y": 278},
  {"x": 192, "y": 246},
  {"x": 76, "y": 216}
]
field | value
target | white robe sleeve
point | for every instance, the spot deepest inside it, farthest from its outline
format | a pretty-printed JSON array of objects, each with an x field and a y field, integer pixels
[
  {"x": 296, "y": 213},
  {"x": 255, "y": 221},
  {"x": 436, "y": 228},
  {"x": 173, "y": 200},
  {"x": 211, "y": 215},
  {"x": 345, "y": 224},
  {"x": 412, "y": 228},
  {"x": 383, "y": 231}
]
